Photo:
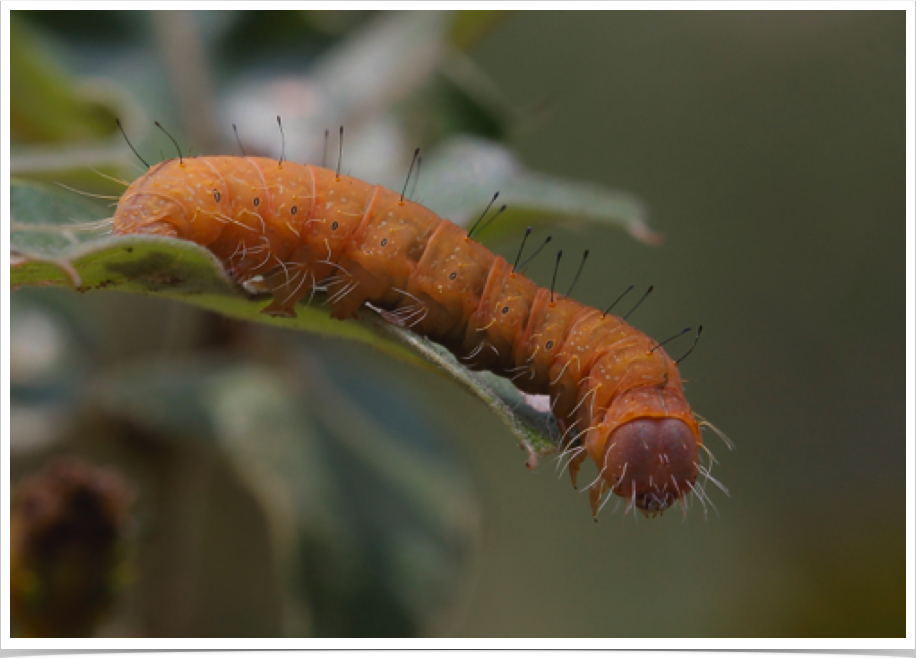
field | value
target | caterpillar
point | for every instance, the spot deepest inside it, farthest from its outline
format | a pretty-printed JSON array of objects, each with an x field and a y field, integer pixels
[{"x": 617, "y": 395}]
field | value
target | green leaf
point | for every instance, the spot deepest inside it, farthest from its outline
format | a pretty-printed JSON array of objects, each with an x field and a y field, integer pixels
[
  {"x": 45, "y": 105},
  {"x": 57, "y": 124},
  {"x": 467, "y": 168}
]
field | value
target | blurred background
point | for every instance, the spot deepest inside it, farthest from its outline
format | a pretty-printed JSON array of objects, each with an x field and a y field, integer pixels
[{"x": 179, "y": 473}]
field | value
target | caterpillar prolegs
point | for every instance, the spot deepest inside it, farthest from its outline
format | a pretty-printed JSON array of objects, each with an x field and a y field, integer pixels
[{"x": 616, "y": 394}]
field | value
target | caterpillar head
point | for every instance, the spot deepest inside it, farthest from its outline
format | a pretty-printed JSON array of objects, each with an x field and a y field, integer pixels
[
  {"x": 652, "y": 462},
  {"x": 650, "y": 454}
]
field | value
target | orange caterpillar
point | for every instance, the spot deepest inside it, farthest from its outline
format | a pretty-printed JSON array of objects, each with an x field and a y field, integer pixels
[{"x": 299, "y": 226}]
